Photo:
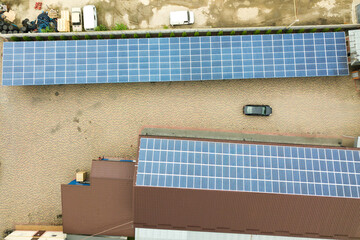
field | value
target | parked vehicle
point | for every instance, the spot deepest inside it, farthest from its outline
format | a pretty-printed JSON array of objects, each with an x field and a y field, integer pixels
[
  {"x": 90, "y": 17},
  {"x": 76, "y": 21},
  {"x": 357, "y": 13},
  {"x": 257, "y": 110},
  {"x": 181, "y": 18}
]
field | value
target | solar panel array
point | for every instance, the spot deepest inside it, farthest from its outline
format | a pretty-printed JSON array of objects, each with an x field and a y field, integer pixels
[
  {"x": 248, "y": 167},
  {"x": 174, "y": 59}
]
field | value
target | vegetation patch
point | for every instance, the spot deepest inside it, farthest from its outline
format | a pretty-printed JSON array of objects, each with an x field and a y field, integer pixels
[
  {"x": 101, "y": 27},
  {"x": 119, "y": 27}
]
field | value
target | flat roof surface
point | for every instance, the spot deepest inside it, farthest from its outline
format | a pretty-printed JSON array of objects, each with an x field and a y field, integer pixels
[
  {"x": 206, "y": 164},
  {"x": 175, "y": 59}
]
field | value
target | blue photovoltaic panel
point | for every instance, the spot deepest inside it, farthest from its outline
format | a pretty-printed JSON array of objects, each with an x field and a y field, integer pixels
[
  {"x": 174, "y": 59},
  {"x": 248, "y": 167}
]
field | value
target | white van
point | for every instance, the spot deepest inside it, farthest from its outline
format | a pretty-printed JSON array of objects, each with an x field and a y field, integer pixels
[
  {"x": 181, "y": 18},
  {"x": 90, "y": 17}
]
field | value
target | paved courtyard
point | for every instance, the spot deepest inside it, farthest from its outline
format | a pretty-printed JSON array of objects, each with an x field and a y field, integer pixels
[{"x": 48, "y": 132}]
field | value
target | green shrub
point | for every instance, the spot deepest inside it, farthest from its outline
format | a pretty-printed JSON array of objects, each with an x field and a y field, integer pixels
[
  {"x": 196, "y": 34},
  {"x": 26, "y": 38},
  {"x": 325, "y": 29},
  {"x": 220, "y": 33},
  {"x": 47, "y": 29},
  {"x": 232, "y": 33},
  {"x": 279, "y": 31},
  {"x": 337, "y": 29},
  {"x": 301, "y": 30},
  {"x": 75, "y": 37},
  {"x": 257, "y": 31},
  {"x": 99, "y": 37},
  {"x": 63, "y": 37},
  {"x": 208, "y": 34},
  {"x": 87, "y": 37},
  {"x": 268, "y": 31},
  {"x": 184, "y": 34},
  {"x": 244, "y": 33},
  {"x": 313, "y": 30},
  {"x": 136, "y": 36},
  {"x": 290, "y": 30},
  {"x": 38, "y": 38},
  {"x": 172, "y": 34},
  {"x": 160, "y": 35},
  {"x": 123, "y": 36},
  {"x": 101, "y": 27},
  {"x": 111, "y": 36},
  {"x": 51, "y": 38},
  {"x": 120, "y": 27},
  {"x": 166, "y": 27},
  {"x": 148, "y": 35},
  {"x": 13, "y": 38}
]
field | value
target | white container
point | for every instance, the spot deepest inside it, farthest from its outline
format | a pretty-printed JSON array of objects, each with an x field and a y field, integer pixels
[{"x": 181, "y": 18}]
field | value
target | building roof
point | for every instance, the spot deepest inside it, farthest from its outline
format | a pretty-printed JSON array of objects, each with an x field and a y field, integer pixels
[
  {"x": 354, "y": 42},
  {"x": 163, "y": 201},
  {"x": 106, "y": 206},
  {"x": 211, "y": 165}
]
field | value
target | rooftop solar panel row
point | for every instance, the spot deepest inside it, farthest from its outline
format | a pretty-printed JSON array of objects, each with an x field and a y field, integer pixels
[
  {"x": 174, "y": 59},
  {"x": 248, "y": 167}
]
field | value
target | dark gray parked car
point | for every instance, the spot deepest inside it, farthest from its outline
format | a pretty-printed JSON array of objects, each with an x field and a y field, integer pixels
[{"x": 257, "y": 110}]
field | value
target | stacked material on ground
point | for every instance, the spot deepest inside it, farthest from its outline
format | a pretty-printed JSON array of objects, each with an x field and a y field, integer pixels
[{"x": 64, "y": 22}]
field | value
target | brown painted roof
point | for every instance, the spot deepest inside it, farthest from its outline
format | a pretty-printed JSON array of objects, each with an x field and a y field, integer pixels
[
  {"x": 246, "y": 212},
  {"x": 112, "y": 170},
  {"x": 106, "y": 204}
]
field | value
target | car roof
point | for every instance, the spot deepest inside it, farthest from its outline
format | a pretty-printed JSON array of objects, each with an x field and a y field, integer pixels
[{"x": 258, "y": 109}]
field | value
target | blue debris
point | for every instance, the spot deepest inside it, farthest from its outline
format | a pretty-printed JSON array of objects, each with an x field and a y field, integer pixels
[{"x": 44, "y": 21}]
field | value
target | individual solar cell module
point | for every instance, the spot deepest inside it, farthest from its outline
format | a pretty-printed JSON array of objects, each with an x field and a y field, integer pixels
[
  {"x": 174, "y": 59},
  {"x": 224, "y": 166}
]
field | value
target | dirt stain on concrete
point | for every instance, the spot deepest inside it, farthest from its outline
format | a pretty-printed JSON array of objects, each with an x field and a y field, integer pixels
[
  {"x": 79, "y": 113},
  {"x": 96, "y": 105},
  {"x": 56, "y": 128},
  {"x": 224, "y": 13},
  {"x": 15, "y": 2},
  {"x": 37, "y": 100}
]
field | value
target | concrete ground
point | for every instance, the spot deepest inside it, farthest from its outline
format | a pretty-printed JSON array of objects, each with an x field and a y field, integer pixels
[
  {"x": 149, "y": 14},
  {"x": 48, "y": 132}
]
